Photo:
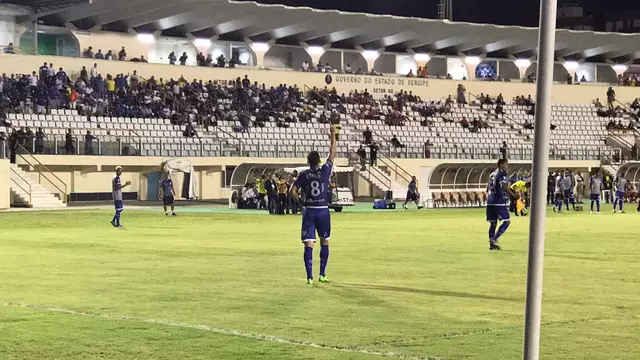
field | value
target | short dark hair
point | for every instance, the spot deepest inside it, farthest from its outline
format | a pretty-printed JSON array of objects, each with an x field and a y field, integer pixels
[
  {"x": 313, "y": 159},
  {"x": 502, "y": 162}
]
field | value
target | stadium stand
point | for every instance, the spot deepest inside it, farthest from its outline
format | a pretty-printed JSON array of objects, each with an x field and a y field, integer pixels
[{"x": 153, "y": 117}]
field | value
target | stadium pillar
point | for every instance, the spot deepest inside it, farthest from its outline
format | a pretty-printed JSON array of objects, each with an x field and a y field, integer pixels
[
  {"x": 471, "y": 62},
  {"x": 620, "y": 69},
  {"x": 537, "y": 224},
  {"x": 522, "y": 65},
  {"x": 259, "y": 49}
]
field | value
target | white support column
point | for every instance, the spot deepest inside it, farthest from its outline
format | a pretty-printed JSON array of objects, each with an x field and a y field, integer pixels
[
  {"x": 523, "y": 65},
  {"x": 259, "y": 49},
  {"x": 620, "y": 69},
  {"x": 471, "y": 62}
]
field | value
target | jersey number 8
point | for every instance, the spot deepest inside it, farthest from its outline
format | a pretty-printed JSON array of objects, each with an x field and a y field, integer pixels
[{"x": 315, "y": 189}]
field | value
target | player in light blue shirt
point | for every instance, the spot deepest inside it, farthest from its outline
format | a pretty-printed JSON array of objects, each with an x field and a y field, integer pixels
[
  {"x": 498, "y": 189},
  {"x": 621, "y": 188},
  {"x": 116, "y": 191},
  {"x": 314, "y": 183}
]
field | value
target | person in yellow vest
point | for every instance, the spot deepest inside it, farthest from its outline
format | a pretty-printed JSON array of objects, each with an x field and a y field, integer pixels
[
  {"x": 283, "y": 190},
  {"x": 520, "y": 187},
  {"x": 262, "y": 192}
]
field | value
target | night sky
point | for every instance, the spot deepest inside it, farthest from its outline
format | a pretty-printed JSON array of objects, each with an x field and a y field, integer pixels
[{"x": 499, "y": 12}]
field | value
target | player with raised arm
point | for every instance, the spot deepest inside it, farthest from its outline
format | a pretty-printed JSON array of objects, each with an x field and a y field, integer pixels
[
  {"x": 621, "y": 188},
  {"x": 412, "y": 193},
  {"x": 498, "y": 189},
  {"x": 168, "y": 194},
  {"x": 116, "y": 189},
  {"x": 595, "y": 185},
  {"x": 314, "y": 183}
]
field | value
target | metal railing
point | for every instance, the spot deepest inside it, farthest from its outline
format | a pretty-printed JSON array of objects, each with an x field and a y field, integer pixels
[
  {"x": 28, "y": 192},
  {"x": 397, "y": 172},
  {"x": 372, "y": 171},
  {"x": 241, "y": 145},
  {"x": 61, "y": 186}
]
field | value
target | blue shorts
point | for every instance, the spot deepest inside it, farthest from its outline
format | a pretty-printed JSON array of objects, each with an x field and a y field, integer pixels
[
  {"x": 595, "y": 197},
  {"x": 167, "y": 200},
  {"x": 315, "y": 220},
  {"x": 620, "y": 194},
  {"x": 497, "y": 213},
  {"x": 118, "y": 204},
  {"x": 568, "y": 194}
]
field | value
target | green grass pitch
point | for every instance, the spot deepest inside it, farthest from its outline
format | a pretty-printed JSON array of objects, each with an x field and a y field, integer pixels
[{"x": 227, "y": 285}]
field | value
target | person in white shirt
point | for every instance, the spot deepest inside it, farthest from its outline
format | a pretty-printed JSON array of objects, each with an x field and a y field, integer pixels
[
  {"x": 52, "y": 71},
  {"x": 305, "y": 66},
  {"x": 94, "y": 71},
  {"x": 33, "y": 80}
]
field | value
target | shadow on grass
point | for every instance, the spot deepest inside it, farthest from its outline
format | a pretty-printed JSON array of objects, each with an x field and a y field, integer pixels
[{"x": 456, "y": 294}]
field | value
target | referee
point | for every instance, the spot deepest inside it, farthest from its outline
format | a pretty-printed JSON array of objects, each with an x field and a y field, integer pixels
[{"x": 519, "y": 187}]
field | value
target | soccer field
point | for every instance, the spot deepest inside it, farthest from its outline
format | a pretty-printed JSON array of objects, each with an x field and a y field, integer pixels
[{"x": 231, "y": 285}]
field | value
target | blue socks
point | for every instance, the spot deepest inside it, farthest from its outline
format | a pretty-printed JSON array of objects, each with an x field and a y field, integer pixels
[
  {"x": 492, "y": 231},
  {"x": 324, "y": 257},
  {"x": 503, "y": 227},
  {"x": 116, "y": 218},
  {"x": 308, "y": 261}
]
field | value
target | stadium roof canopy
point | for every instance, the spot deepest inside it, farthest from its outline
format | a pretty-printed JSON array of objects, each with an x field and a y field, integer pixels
[{"x": 239, "y": 21}]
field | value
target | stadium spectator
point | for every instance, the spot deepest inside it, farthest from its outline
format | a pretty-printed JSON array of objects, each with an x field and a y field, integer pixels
[
  {"x": 611, "y": 97},
  {"x": 347, "y": 69},
  {"x": 68, "y": 142},
  {"x": 122, "y": 55},
  {"x": 368, "y": 136},
  {"x": 362, "y": 156},
  {"x": 109, "y": 55},
  {"x": 9, "y": 49},
  {"x": 373, "y": 153},
  {"x": 221, "y": 61},
  {"x": 305, "y": 66},
  {"x": 461, "y": 95},
  {"x": 464, "y": 123},
  {"x": 100, "y": 55},
  {"x": 88, "y": 143},
  {"x": 172, "y": 58},
  {"x": 189, "y": 131},
  {"x": 13, "y": 145},
  {"x": 40, "y": 141},
  {"x": 183, "y": 58},
  {"x": 88, "y": 53},
  {"x": 504, "y": 149},
  {"x": 396, "y": 143},
  {"x": 410, "y": 73}
]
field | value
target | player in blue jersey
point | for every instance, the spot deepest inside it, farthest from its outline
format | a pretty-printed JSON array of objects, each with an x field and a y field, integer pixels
[
  {"x": 595, "y": 185},
  {"x": 568, "y": 183},
  {"x": 168, "y": 195},
  {"x": 498, "y": 190},
  {"x": 412, "y": 194},
  {"x": 116, "y": 189},
  {"x": 314, "y": 184},
  {"x": 621, "y": 188}
]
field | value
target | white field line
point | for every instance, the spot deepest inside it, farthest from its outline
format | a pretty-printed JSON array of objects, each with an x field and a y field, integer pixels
[{"x": 230, "y": 332}]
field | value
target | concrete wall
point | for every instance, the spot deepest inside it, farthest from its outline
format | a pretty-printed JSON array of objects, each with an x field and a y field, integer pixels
[
  {"x": 5, "y": 183},
  {"x": 90, "y": 174}
]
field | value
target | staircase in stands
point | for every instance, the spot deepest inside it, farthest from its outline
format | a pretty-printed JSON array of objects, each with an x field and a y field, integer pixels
[
  {"x": 382, "y": 180},
  {"x": 27, "y": 191}
]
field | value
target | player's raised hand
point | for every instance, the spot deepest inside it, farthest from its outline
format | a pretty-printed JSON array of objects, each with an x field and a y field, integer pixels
[{"x": 127, "y": 183}]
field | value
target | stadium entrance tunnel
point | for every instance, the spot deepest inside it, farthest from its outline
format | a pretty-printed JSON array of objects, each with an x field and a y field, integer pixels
[
  {"x": 468, "y": 177},
  {"x": 631, "y": 171},
  {"x": 463, "y": 184}
]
